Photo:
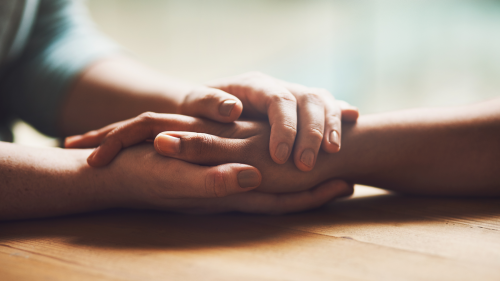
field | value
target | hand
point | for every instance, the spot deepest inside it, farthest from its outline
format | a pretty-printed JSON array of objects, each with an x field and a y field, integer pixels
[
  {"x": 300, "y": 117},
  {"x": 154, "y": 181},
  {"x": 238, "y": 142},
  {"x": 113, "y": 138},
  {"x": 261, "y": 96},
  {"x": 244, "y": 142},
  {"x": 140, "y": 169}
]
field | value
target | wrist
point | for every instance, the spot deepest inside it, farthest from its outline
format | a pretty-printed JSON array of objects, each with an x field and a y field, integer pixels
[
  {"x": 99, "y": 186},
  {"x": 350, "y": 162}
]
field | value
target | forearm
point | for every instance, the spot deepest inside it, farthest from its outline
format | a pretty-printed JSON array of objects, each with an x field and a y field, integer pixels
[
  {"x": 451, "y": 151},
  {"x": 40, "y": 182},
  {"x": 116, "y": 89}
]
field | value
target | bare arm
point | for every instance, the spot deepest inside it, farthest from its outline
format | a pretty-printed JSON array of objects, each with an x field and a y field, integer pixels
[
  {"x": 116, "y": 89},
  {"x": 38, "y": 182},
  {"x": 441, "y": 151}
]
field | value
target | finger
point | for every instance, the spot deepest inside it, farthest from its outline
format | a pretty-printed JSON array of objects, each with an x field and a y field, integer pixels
[
  {"x": 349, "y": 113},
  {"x": 282, "y": 112},
  {"x": 263, "y": 94},
  {"x": 306, "y": 200},
  {"x": 212, "y": 103},
  {"x": 91, "y": 138},
  {"x": 333, "y": 125},
  {"x": 194, "y": 181},
  {"x": 230, "y": 179},
  {"x": 267, "y": 203},
  {"x": 311, "y": 111},
  {"x": 145, "y": 126},
  {"x": 198, "y": 148},
  {"x": 264, "y": 203}
]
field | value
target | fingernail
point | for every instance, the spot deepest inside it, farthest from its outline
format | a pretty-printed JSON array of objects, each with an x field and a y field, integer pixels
[
  {"x": 248, "y": 178},
  {"x": 282, "y": 152},
  {"x": 307, "y": 157},
  {"x": 73, "y": 138},
  {"x": 334, "y": 138},
  {"x": 226, "y": 107},
  {"x": 168, "y": 144},
  {"x": 70, "y": 140}
]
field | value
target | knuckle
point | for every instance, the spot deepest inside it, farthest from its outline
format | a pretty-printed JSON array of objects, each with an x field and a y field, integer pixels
[
  {"x": 201, "y": 144},
  {"x": 112, "y": 139},
  {"x": 147, "y": 117},
  {"x": 290, "y": 126},
  {"x": 311, "y": 97},
  {"x": 215, "y": 184},
  {"x": 289, "y": 129},
  {"x": 208, "y": 98},
  {"x": 315, "y": 133},
  {"x": 92, "y": 134},
  {"x": 334, "y": 117},
  {"x": 282, "y": 98}
]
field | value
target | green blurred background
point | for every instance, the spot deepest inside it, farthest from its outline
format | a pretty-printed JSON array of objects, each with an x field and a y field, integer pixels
[{"x": 376, "y": 54}]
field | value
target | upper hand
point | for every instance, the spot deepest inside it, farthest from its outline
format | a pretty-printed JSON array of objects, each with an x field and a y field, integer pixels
[
  {"x": 305, "y": 117},
  {"x": 301, "y": 118}
]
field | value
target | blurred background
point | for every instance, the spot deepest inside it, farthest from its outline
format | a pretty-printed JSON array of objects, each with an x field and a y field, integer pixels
[{"x": 379, "y": 55}]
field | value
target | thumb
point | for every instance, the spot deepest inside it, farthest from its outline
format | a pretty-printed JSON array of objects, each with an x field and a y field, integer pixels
[
  {"x": 222, "y": 180},
  {"x": 211, "y": 103}
]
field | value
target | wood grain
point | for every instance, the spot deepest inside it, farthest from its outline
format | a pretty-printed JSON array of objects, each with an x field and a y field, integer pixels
[{"x": 372, "y": 236}]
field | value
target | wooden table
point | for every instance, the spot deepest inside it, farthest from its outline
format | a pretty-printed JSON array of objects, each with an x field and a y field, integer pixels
[{"x": 372, "y": 236}]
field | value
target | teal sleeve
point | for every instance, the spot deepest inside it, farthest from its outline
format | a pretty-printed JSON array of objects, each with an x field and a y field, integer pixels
[{"x": 62, "y": 43}]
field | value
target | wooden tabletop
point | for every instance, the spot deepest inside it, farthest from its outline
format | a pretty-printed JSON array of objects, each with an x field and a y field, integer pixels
[{"x": 372, "y": 236}]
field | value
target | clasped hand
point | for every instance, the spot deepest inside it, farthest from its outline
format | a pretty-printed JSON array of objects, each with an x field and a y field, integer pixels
[{"x": 222, "y": 162}]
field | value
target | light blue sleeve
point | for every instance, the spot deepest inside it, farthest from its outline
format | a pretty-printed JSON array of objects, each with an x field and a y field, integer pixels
[{"x": 62, "y": 43}]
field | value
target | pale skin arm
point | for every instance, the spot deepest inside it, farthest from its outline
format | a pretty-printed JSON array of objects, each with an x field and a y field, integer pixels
[{"x": 115, "y": 89}]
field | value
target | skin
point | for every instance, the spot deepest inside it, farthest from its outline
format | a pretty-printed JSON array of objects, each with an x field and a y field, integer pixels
[
  {"x": 36, "y": 183},
  {"x": 117, "y": 89},
  {"x": 440, "y": 151},
  {"x": 246, "y": 140}
]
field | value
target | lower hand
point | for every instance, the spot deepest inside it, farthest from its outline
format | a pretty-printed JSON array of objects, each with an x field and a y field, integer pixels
[{"x": 156, "y": 182}]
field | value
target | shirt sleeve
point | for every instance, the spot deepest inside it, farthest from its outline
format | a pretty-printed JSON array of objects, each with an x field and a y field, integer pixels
[{"x": 62, "y": 43}]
